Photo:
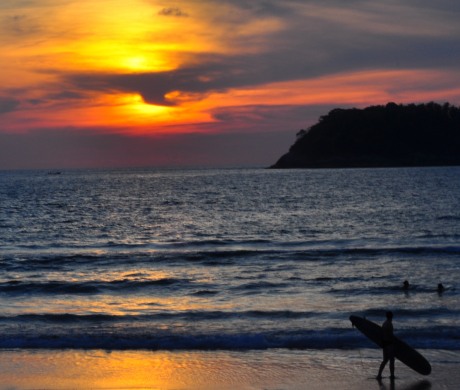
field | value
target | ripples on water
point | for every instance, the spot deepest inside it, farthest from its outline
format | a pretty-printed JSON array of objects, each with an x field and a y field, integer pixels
[{"x": 211, "y": 259}]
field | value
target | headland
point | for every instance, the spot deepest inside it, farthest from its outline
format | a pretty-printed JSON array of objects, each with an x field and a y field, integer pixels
[{"x": 393, "y": 135}]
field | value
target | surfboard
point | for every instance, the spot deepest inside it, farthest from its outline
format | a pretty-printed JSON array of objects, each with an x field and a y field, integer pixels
[{"x": 403, "y": 352}]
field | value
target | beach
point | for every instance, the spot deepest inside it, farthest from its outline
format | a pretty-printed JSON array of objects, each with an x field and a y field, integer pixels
[{"x": 274, "y": 369}]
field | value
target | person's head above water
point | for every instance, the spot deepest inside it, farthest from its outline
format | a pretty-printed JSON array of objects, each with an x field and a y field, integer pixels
[
  {"x": 389, "y": 315},
  {"x": 405, "y": 285}
]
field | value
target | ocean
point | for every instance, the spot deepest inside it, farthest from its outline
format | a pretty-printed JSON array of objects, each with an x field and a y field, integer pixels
[{"x": 227, "y": 259}]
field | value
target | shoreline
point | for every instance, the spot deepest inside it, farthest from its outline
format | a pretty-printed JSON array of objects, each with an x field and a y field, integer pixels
[{"x": 269, "y": 369}]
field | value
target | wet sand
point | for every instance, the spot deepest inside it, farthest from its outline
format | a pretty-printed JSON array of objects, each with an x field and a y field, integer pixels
[{"x": 271, "y": 370}]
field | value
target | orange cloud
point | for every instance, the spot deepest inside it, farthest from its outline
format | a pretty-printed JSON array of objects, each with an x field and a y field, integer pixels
[
  {"x": 352, "y": 88},
  {"x": 128, "y": 111}
]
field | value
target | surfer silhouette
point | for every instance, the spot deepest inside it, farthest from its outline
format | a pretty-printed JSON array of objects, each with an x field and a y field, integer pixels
[
  {"x": 388, "y": 346},
  {"x": 405, "y": 285}
]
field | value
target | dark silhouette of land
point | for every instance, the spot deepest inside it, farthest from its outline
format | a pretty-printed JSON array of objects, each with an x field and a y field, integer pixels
[{"x": 394, "y": 135}]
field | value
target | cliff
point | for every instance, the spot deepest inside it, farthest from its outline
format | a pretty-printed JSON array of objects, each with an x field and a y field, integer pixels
[{"x": 379, "y": 136}]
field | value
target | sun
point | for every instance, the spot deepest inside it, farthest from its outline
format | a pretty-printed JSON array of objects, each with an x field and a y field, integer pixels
[{"x": 136, "y": 63}]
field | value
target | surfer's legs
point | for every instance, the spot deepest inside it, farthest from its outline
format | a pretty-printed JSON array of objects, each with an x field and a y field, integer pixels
[
  {"x": 382, "y": 366},
  {"x": 391, "y": 357},
  {"x": 388, "y": 355}
]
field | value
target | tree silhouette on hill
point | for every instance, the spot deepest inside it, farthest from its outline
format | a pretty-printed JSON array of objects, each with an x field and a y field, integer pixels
[{"x": 379, "y": 136}]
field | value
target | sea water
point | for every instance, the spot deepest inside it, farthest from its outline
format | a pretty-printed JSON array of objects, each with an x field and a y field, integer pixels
[{"x": 219, "y": 259}]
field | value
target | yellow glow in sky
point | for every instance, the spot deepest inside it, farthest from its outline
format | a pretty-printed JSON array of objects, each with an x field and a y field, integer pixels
[{"x": 86, "y": 36}]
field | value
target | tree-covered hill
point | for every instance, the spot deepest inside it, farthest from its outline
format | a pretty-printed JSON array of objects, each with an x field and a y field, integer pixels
[{"x": 379, "y": 136}]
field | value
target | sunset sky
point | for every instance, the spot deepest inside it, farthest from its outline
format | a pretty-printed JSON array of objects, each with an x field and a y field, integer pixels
[{"x": 112, "y": 83}]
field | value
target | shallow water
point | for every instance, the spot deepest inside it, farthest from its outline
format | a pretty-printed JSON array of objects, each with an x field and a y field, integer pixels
[{"x": 227, "y": 259}]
